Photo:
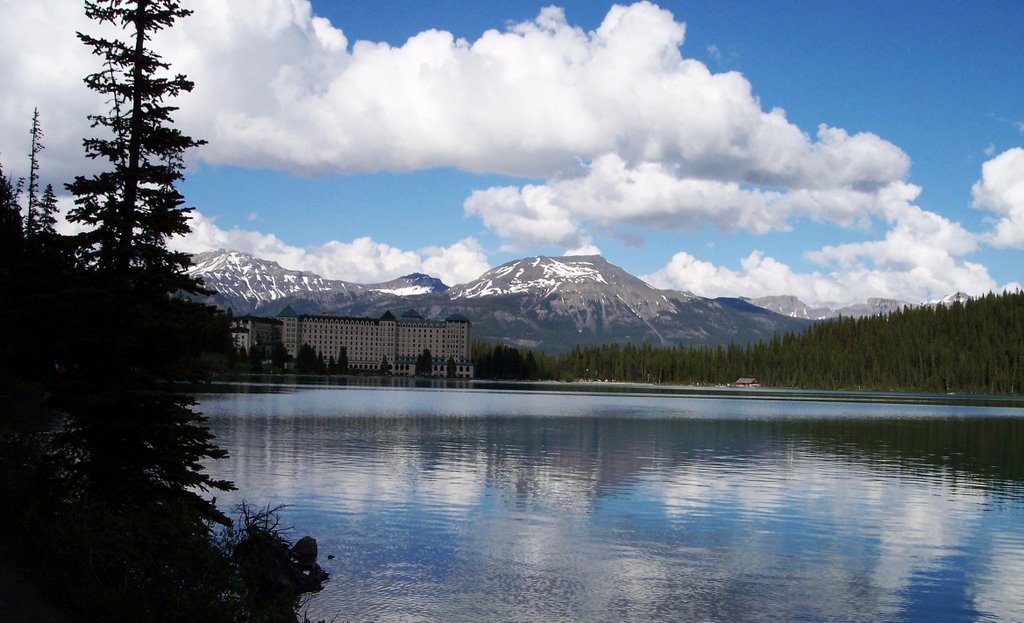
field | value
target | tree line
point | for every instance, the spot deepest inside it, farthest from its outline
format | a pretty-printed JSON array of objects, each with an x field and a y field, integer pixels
[{"x": 971, "y": 347}]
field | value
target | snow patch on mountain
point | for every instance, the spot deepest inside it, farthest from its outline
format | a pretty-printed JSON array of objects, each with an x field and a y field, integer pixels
[
  {"x": 237, "y": 275},
  {"x": 949, "y": 299},
  {"x": 406, "y": 291},
  {"x": 531, "y": 276}
]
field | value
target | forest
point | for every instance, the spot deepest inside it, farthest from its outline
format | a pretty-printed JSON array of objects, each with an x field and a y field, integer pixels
[{"x": 972, "y": 347}]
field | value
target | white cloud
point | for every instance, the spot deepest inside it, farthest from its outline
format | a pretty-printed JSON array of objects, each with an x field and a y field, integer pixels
[
  {"x": 528, "y": 215},
  {"x": 362, "y": 261},
  {"x": 1001, "y": 191},
  {"x": 461, "y": 262},
  {"x": 878, "y": 269},
  {"x": 921, "y": 258},
  {"x": 655, "y": 195},
  {"x": 586, "y": 248},
  {"x": 288, "y": 90}
]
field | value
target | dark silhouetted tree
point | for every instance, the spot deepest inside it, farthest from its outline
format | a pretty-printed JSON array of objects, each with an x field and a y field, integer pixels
[
  {"x": 307, "y": 361},
  {"x": 46, "y": 214},
  {"x": 278, "y": 355},
  {"x": 10, "y": 223},
  {"x": 130, "y": 437},
  {"x": 31, "y": 208}
]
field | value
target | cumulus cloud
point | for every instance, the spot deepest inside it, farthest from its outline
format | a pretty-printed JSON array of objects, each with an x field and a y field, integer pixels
[
  {"x": 921, "y": 257},
  {"x": 881, "y": 269},
  {"x": 362, "y": 260},
  {"x": 1001, "y": 191},
  {"x": 656, "y": 195},
  {"x": 290, "y": 91}
]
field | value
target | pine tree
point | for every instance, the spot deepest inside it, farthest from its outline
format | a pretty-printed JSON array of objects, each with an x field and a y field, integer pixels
[
  {"x": 278, "y": 355},
  {"x": 46, "y": 214},
  {"x": 134, "y": 207},
  {"x": 342, "y": 360},
  {"x": 31, "y": 215},
  {"x": 424, "y": 363},
  {"x": 10, "y": 223},
  {"x": 131, "y": 438},
  {"x": 306, "y": 360}
]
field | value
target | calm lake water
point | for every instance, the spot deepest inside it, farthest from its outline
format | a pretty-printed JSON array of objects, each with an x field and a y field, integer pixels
[{"x": 489, "y": 502}]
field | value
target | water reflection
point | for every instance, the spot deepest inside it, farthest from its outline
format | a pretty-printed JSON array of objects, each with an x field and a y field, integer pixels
[{"x": 462, "y": 505}]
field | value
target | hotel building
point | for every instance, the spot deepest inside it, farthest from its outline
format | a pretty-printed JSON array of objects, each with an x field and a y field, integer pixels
[{"x": 369, "y": 342}]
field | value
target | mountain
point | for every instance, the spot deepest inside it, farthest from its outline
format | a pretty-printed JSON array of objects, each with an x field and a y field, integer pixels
[
  {"x": 552, "y": 303},
  {"x": 410, "y": 285},
  {"x": 792, "y": 307},
  {"x": 795, "y": 308},
  {"x": 247, "y": 284},
  {"x": 956, "y": 297},
  {"x": 244, "y": 283},
  {"x": 873, "y": 307}
]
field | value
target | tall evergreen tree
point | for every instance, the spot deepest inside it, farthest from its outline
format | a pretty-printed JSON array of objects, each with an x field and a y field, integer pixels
[
  {"x": 31, "y": 208},
  {"x": 134, "y": 206},
  {"x": 130, "y": 436}
]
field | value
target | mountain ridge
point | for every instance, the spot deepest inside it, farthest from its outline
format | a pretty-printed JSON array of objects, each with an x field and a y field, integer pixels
[{"x": 545, "y": 302}]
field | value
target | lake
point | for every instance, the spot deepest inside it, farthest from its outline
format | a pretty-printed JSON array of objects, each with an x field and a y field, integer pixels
[{"x": 473, "y": 501}]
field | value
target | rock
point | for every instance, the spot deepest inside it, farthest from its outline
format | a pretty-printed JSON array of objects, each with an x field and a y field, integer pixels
[{"x": 305, "y": 551}]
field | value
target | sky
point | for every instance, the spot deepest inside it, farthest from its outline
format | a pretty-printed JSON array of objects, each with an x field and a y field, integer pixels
[{"x": 831, "y": 151}]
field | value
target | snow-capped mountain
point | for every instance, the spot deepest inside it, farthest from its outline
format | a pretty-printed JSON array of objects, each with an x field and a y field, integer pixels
[
  {"x": 244, "y": 282},
  {"x": 561, "y": 301},
  {"x": 247, "y": 284},
  {"x": 540, "y": 275},
  {"x": 949, "y": 299},
  {"x": 572, "y": 279}
]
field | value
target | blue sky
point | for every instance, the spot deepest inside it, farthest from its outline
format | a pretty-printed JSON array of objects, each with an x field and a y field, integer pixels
[{"x": 834, "y": 151}]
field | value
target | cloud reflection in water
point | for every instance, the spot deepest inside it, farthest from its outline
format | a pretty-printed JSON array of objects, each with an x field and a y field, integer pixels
[{"x": 459, "y": 506}]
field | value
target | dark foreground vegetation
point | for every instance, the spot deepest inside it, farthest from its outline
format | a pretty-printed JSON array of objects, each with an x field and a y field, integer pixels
[
  {"x": 107, "y": 503},
  {"x": 972, "y": 347}
]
